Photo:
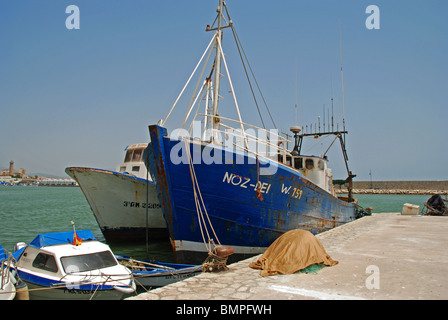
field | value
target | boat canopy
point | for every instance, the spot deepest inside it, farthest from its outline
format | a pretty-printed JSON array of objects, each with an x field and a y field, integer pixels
[
  {"x": 51, "y": 239},
  {"x": 3, "y": 254}
]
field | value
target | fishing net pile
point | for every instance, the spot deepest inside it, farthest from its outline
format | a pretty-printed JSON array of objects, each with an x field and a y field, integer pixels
[
  {"x": 132, "y": 265},
  {"x": 293, "y": 251}
]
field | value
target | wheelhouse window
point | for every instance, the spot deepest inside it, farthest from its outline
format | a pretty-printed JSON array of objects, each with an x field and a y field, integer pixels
[
  {"x": 321, "y": 164},
  {"x": 137, "y": 155},
  {"x": 298, "y": 163},
  {"x": 135, "y": 168},
  {"x": 309, "y": 164},
  {"x": 128, "y": 156},
  {"x": 88, "y": 262},
  {"x": 45, "y": 262},
  {"x": 134, "y": 155},
  {"x": 122, "y": 169}
]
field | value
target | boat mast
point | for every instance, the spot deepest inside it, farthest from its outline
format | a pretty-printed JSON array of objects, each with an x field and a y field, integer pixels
[{"x": 217, "y": 68}]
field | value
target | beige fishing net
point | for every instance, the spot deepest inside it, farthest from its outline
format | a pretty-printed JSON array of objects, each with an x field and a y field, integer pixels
[{"x": 292, "y": 252}]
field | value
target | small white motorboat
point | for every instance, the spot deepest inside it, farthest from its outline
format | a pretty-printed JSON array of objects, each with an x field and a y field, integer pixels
[{"x": 73, "y": 266}]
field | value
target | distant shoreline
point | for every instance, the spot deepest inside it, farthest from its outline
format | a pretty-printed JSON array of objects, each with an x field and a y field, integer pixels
[
  {"x": 396, "y": 187},
  {"x": 377, "y": 191}
]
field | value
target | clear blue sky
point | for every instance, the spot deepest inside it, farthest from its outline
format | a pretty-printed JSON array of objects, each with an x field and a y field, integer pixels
[{"x": 79, "y": 97}]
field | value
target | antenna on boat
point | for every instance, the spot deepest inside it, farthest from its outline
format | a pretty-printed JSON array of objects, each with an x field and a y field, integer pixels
[
  {"x": 323, "y": 125},
  {"x": 332, "y": 128},
  {"x": 302, "y": 106},
  {"x": 342, "y": 76},
  {"x": 297, "y": 85},
  {"x": 295, "y": 109}
]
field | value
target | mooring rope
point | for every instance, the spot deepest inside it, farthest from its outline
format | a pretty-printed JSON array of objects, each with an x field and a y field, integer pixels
[
  {"x": 216, "y": 261},
  {"x": 199, "y": 202}
]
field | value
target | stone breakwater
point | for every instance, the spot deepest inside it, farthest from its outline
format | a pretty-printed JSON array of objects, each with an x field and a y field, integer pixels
[
  {"x": 397, "y": 187},
  {"x": 393, "y": 191}
]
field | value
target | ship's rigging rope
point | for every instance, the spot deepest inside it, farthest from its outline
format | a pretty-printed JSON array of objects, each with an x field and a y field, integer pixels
[
  {"x": 217, "y": 259},
  {"x": 201, "y": 210},
  {"x": 241, "y": 53},
  {"x": 244, "y": 60}
]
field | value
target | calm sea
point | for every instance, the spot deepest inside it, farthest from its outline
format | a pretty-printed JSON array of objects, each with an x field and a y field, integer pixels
[{"x": 28, "y": 211}]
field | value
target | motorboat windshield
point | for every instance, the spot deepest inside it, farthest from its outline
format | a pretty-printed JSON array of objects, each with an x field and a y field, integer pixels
[{"x": 88, "y": 262}]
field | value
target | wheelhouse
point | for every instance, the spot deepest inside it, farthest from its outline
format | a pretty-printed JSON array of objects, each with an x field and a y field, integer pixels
[
  {"x": 133, "y": 161},
  {"x": 314, "y": 168}
]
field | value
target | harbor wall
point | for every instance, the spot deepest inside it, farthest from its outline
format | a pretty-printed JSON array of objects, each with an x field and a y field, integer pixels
[{"x": 396, "y": 187}]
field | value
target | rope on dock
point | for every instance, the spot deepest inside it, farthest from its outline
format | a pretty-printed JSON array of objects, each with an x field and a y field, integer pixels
[{"x": 217, "y": 259}]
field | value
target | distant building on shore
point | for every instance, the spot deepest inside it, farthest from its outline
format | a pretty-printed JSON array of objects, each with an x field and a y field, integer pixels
[
  {"x": 21, "y": 173},
  {"x": 19, "y": 177}
]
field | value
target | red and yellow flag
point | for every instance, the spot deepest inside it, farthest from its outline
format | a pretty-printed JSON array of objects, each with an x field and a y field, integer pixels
[{"x": 76, "y": 240}]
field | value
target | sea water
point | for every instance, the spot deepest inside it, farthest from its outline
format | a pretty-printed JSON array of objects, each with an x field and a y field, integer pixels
[
  {"x": 390, "y": 202},
  {"x": 26, "y": 211}
]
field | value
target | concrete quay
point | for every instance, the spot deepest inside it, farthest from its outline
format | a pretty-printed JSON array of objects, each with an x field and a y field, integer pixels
[{"x": 386, "y": 256}]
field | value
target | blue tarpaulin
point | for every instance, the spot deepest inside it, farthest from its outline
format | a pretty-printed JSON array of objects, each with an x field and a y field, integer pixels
[
  {"x": 3, "y": 254},
  {"x": 51, "y": 239}
]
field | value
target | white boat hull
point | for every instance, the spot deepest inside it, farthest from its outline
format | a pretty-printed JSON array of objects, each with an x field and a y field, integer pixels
[
  {"x": 38, "y": 292},
  {"x": 8, "y": 291},
  {"x": 125, "y": 207}
]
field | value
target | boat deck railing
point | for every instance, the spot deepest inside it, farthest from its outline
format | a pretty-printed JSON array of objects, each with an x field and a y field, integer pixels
[{"x": 247, "y": 138}]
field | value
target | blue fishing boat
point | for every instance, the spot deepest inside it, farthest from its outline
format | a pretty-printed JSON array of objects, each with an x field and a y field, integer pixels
[{"x": 222, "y": 182}]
